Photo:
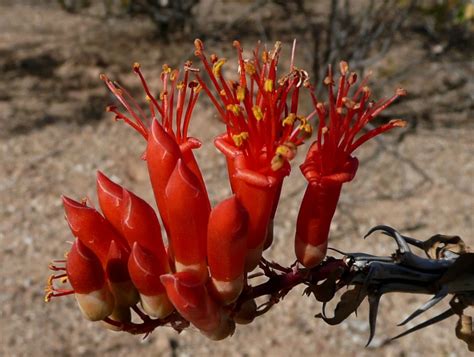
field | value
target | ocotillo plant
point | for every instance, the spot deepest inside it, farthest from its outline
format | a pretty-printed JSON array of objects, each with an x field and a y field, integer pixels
[{"x": 119, "y": 262}]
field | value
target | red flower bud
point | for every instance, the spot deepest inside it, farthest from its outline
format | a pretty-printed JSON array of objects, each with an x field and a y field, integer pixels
[
  {"x": 93, "y": 230},
  {"x": 227, "y": 248},
  {"x": 145, "y": 270},
  {"x": 188, "y": 216},
  {"x": 189, "y": 296},
  {"x": 162, "y": 154},
  {"x": 87, "y": 278},
  {"x": 110, "y": 196},
  {"x": 119, "y": 279},
  {"x": 140, "y": 224}
]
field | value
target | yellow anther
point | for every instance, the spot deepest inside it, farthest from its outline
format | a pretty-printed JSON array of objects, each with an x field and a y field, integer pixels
[
  {"x": 277, "y": 162},
  {"x": 367, "y": 91},
  {"x": 344, "y": 67},
  {"x": 198, "y": 45},
  {"x": 147, "y": 98},
  {"x": 234, "y": 108},
  {"x": 163, "y": 94},
  {"x": 180, "y": 86},
  {"x": 174, "y": 74},
  {"x": 136, "y": 66},
  {"x": 328, "y": 81},
  {"x": 268, "y": 86},
  {"x": 240, "y": 93},
  {"x": 352, "y": 78},
  {"x": 289, "y": 120},
  {"x": 257, "y": 112},
  {"x": 401, "y": 92},
  {"x": 239, "y": 138},
  {"x": 308, "y": 129},
  {"x": 197, "y": 88},
  {"x": 216, "y": 68},
  {"x": 249, "y": 68},
  {"x": 398, "y": 123},
  {"x": 166, "y": 68},
  {"x": 265, "y": 56},
  {"x": 47, "y": 297},
  {"x": 287, "y": 150},
  {"x": 348, "y": 102},
  {"x": 222, "y": 93}
]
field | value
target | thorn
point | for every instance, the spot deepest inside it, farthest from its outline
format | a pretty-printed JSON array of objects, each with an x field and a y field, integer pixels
[
  {"x": 438, "y": 318},
  {"x": 374, "y": 300},
  {"x": 440, "y": 295}
]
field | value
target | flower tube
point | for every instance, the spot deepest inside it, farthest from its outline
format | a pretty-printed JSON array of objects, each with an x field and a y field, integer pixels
[
  {"x": 188, "y": 213},
  {"x": 87, "y": 278},
  {"x": 227, "y": 248},
  {"x": 329, "y": 162},
  {"x": 97, "y": 234},
  {"x": 190, "y": 297}
]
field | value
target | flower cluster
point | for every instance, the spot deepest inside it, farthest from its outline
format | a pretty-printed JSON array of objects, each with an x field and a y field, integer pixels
[{"x": 119, "y": 257}]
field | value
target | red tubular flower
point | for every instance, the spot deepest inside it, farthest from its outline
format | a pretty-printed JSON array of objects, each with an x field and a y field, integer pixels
[
  {"x": 167, "y": 140},
  {"x": 110, "y": 198},
  {"x": 138, "y": 223},
  {"x": 97, "y": 234},
  {"x": 190, "y": 297},
  {"x": 263, "y": 131},
  {"x": 87, "y": 278},
  {"x": 145, "y": 270},
  {"x": 329, "y": 162},
  {"x": 188, "y": 211},
  {"x": 227, "y": 248},
  {"x": 93, "y": 230}
]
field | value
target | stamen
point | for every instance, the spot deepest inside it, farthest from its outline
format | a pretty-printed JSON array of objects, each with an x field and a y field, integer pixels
[
  {"x": 240, "y": 138},
  {"x": 257, "y": 112}
]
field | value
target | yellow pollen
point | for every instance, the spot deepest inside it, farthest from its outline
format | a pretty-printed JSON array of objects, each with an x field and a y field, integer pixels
[
  {"x": 239, "y": 138},
  {"x": 197, "y": 89},
  {"x": 216, "y": 68},
  {"x": 401, "y": 92},
  {"x": 289, "y": 120},
  {"x": 257, "y": 112},
  {"x": 277, "y": 162},
  {"x": 47, "y": 297},
  {"x": 240, "y": 93},
  {"x": 166, "y": 68},
  {"x": 268, "y": 86},
  {"x": 249, "y": 68},
  {"x": 344, "y": 67},
  {"x": 174, "y": 74},
  {"x": 234, "y": 108},
  {"x": 287, "y": 150},
  {"x": 308, "y": 129},
  {"x": 398, "y": 123}
]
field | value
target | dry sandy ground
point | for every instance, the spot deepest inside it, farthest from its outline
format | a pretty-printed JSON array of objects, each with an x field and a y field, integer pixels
[{"x": 54, "y": 136}]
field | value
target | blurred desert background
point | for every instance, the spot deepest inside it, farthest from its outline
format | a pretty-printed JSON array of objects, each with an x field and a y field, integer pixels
[{"x": 55, "y": 134}]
